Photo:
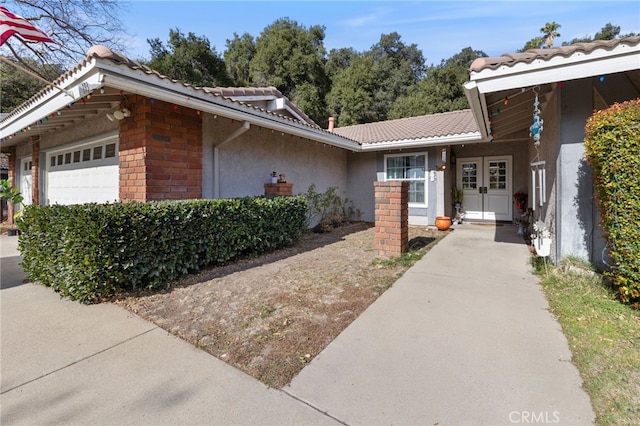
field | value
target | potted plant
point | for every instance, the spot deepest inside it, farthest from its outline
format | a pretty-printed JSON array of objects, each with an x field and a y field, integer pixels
[
  {"x": 541, "y": 239},
  {"x": 456, "y": 197},
  {"x": 274, "y": 177},
  {"x": 13, "y": 196},
  {"x": 520, "y": 199}
]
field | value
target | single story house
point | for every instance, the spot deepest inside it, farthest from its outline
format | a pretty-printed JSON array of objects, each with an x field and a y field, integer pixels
[{"x": 112, "y": 129}]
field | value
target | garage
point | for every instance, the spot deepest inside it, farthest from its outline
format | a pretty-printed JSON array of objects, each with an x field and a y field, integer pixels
[{"x": 84, "y": 173}]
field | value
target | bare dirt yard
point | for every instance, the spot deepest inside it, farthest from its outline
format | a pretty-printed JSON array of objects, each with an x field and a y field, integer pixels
[{"x": 271, "y": 315}]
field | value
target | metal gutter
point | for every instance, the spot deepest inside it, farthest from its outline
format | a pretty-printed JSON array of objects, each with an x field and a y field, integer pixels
[{"x": 416, "y": 143}]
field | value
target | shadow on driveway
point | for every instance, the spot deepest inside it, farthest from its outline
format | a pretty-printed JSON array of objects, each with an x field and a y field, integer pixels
[{"x": 11, "y": 273}]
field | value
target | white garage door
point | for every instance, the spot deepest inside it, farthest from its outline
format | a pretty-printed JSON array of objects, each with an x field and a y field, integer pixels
[{"x": 83, "y": 174}]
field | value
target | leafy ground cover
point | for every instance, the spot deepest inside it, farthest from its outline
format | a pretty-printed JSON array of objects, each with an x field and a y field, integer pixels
[
  {"x": 271, "y": 315},
  {"x": 604, "y": 337}
]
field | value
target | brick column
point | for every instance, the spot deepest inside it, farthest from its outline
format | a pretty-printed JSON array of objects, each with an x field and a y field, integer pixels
[
  {"x": 392, "y": 218},
  {"x": 35, "y": 170},
  {"x": 160, "y": 152},
  {"x": 278, "y": 189}
]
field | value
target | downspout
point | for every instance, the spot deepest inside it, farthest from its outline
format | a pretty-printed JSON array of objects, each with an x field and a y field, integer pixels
[{"x": 216, "y": 162}]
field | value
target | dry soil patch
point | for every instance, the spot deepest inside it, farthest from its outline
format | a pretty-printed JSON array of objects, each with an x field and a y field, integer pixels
[{"x": 269, "y": 316}]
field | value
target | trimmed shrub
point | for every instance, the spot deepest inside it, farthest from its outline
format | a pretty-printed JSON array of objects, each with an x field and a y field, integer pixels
[
  {"x": 91, "y": 251},
  {"x": 612, "y": 147}
]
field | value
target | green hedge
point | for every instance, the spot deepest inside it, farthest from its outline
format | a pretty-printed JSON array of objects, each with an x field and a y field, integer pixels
[
  {"x": 612, "y": 147},
  {"x": 91, "y": 251}
]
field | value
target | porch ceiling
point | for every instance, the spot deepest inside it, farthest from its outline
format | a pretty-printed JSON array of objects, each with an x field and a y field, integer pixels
[
  {"x": 511, "y": 111},
  {"x": 511, "y": 120},
  {"x": 89, "y": 107}
]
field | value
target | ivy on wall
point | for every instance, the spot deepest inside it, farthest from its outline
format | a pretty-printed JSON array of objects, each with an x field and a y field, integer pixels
[{"x": 612, "y": 148}]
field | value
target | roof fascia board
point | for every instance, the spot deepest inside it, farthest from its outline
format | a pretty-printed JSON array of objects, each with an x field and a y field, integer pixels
[
  {"x": 424, "y": 142},
  {"x": 252, "y": 98},
  {"x": 542, "y": 71},
  {"x": 79, "y": 86},
  {"x": 478, "y": 105},
  {"x": 190, "y": 97}
]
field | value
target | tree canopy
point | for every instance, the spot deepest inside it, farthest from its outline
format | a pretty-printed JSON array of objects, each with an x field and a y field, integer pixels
[
  {"x": 440, "y": 90},
  {"x": 389, "y": 80},
  {"x": 291, "y": 57},
  {"x": 190, "y": 59}
]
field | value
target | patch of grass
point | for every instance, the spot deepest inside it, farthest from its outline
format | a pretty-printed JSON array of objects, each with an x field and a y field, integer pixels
[
  {"x": 418, "y": 247},
  {"x": 604, "y": 337}
]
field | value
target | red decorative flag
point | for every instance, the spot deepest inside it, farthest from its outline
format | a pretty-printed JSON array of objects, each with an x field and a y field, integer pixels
[{"x": 11, "y": 24}]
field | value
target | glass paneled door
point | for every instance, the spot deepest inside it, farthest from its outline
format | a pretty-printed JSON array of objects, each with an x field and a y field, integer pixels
[{"x": 486, "y": 185}]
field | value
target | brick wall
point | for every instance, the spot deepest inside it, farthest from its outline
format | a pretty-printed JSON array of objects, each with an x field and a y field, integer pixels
[
  {"x": 392, "y": 218},
  {"x": 160, "y": 152}
]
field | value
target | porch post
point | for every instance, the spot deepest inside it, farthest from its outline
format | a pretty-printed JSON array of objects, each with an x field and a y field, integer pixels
[{"x": 392, "y": 218}]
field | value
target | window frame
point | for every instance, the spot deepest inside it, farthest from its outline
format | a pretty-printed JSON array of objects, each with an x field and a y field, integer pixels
[{"x": 425, "y": 179}]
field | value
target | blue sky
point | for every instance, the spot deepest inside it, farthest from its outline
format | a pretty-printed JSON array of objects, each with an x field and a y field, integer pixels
[{"x": 439, "y": 28}]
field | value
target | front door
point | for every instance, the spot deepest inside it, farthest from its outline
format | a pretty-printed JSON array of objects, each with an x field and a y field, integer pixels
[{"x": 486, "y": 185}]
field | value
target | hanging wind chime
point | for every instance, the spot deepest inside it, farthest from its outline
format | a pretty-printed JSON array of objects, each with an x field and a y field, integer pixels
[{"x": 538, "y": 172}]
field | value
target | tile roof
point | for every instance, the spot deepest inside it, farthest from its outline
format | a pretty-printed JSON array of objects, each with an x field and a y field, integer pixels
[
  {"x": 531, "y": 55},
  {"x": 413, "y": 128},
  {"x": 234, "y": 92},
  {"x": 101, "y": 52},
  {"x": 101, "y": 57},
  {"x": 224, "y": 92}
]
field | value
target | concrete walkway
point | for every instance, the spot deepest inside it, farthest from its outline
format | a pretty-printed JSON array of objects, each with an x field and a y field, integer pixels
[{"x": 464, "y": 337}]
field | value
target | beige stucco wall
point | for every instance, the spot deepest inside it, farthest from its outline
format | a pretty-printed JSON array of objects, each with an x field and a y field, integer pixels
[
  {"x": 246, "y": 162},
  {"x": 361, "y": 175}
]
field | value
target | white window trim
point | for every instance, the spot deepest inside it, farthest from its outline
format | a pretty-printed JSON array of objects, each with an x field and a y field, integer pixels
[{"x": 426, "y": 176}]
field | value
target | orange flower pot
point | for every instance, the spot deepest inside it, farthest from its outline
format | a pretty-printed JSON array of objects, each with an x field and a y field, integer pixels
[{"x": 443, "y": 222}]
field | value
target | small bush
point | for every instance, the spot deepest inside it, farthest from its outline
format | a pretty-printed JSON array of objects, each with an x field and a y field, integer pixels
[
  {"x": 91, "y": 251},
  {"x": 612, "y": 147},
  {"x": 327, "y": 210}
]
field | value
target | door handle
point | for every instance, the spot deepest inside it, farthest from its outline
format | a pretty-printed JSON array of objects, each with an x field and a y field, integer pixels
[{"x": 482, "y": 190}]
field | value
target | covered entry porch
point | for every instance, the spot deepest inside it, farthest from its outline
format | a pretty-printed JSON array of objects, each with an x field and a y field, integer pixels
[{"x": 488, "y": 175}]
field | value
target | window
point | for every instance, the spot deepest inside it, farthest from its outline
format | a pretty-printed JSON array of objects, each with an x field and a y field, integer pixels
[
  {"x": 497, "y": 175},
  {"x": 110, "y": 150},
  {"x": 90, "y": 155},
  {"x": 469, "y": 176},
  {"x": 411, "y": 168}
]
